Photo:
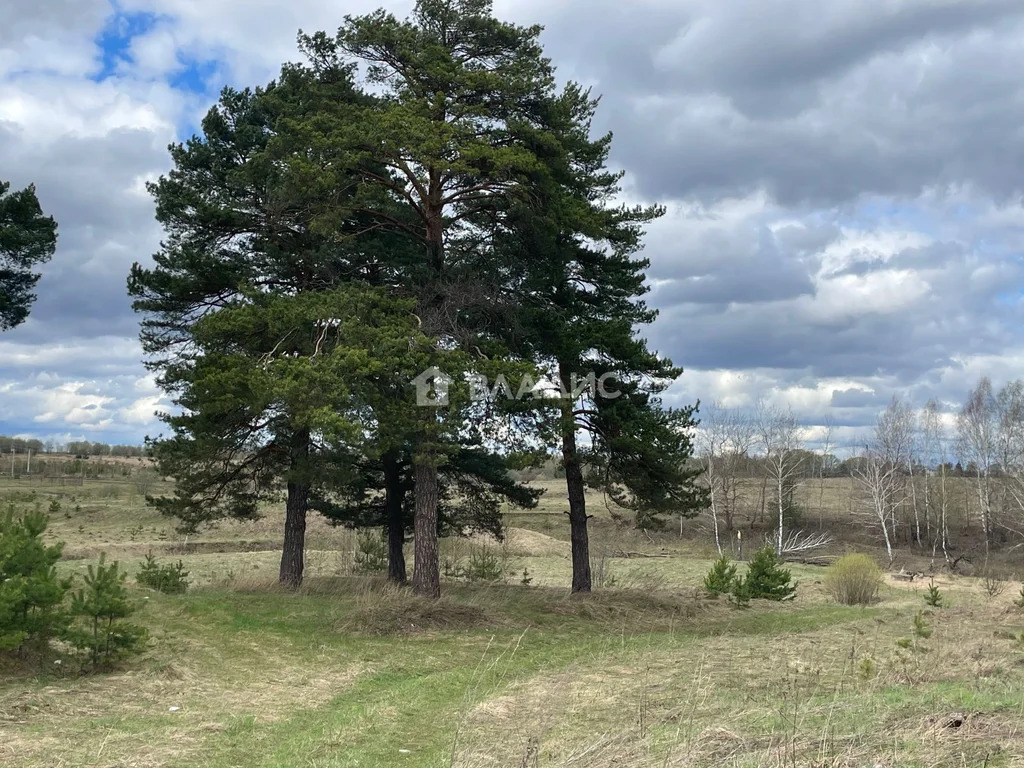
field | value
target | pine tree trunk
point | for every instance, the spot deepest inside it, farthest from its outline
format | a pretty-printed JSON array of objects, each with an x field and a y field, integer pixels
[
  {"x": 426, "y": 574},
  {"x": 293, "y": 551},
  {"x": 294, "y": 535},
  {"x": 393, "y": 503},
  {"x": 578, "y": 536}
]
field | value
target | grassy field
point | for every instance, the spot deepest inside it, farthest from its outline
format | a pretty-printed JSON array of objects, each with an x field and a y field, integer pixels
[{"x": 350, "y": 672}]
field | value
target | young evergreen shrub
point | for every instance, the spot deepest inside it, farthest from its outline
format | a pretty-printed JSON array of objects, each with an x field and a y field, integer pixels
[
  {"x": 720, "y": 579},
  {"x": 766, "y": 579},
  {"x": 371, "y": 552},
  {"x": 484, "y": 565},
  {"x": 31, "y": 594},
  {"x": 933, "y": 596},
  {"x": 853, "y": 580},
  {"x": 167, "y": 578},
  {"x": 739, "y": 593},
  {"x": 98, "y": 610}
]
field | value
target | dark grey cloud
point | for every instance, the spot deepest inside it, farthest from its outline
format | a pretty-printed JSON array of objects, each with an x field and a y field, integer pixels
[
  {"x": 813, "y": 102},
  {"x": 843, "y": 182},
  {"x": 93, "y": 186},
  {"x": 20, "y": 20},
  {"x": 858, "y": 398}
]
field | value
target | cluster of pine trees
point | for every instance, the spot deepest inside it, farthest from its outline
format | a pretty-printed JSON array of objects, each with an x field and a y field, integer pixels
[{"x": 417, "y": 195}]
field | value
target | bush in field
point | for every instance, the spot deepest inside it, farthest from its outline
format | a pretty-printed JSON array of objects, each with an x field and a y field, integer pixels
[
  {"x": 163, "y": 577},
  {"x": 853, "y": 580},
  {"x": 483, "y": 564},
  {"x": 145, "y": 479},
  {"x": 371, "y": 553},
  {"x": 98, "y": 610},
  {"x": 721, "y": 577},
  {"x": 31, "y": 594},
  {"x": 766, "y": 579}
]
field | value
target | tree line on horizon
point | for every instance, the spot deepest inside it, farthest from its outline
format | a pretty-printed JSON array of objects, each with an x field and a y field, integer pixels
[
  {"x": 24, "y": 445},
  {"x": 913, "y": 476}
]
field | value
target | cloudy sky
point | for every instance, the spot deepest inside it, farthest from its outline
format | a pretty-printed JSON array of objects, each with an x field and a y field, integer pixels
[{"x": 843, "y": 182}]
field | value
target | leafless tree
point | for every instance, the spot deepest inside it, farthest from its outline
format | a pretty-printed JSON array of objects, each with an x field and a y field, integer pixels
[
  {"x": 933, "y": 447},
  {"x": 777, "y": 436},
  {"x": 145, "y": 478},
  {"x": 724, "y": 439},
  {"x": 713, "y": 444},
  {"x": 977, "y": 429},
  {"x": 1010, "y": 448},
  {"x": 883, "y": 470},
  {"x": 826, "y": 453},
  {"x": 800, "y": 543},
  {"x": 912, "y": 459}
]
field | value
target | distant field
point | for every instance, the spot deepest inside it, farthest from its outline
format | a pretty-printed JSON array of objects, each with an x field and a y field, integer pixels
[{"x": 648, "y": 672}]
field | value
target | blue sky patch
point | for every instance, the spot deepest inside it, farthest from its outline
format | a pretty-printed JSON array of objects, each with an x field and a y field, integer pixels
[
  {"x": 192, "y": 75},
  {"x": 115, "y": 39}
]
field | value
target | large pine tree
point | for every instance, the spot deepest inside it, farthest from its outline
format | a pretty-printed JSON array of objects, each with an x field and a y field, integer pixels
[
  {"x": 28, "y": 238},
  {"x": 273, "y": 225},
  {"x": 581, "y": 311},
  {"x": 240, "y": 231},
  {"x": 454, "y": 81}
]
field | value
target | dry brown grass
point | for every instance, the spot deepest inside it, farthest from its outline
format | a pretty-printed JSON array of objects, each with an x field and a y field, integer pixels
[
  {"x": 779, "y": 701},
  {"x": 245, "y": 685}
]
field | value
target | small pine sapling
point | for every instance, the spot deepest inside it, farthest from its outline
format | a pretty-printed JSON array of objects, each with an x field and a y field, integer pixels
[
  {"x": 99, "y": 609},
  {"x": 739, "y": 594},
  {"x": 933, "y": 597},
  {"x": 720, "y": 579},
  {"x": 922, "y": 631},
  {"x": 766, "y": 579},
  {"x": 31, "y": 594},
  {"x": 169, "y": 579},
  {"x": 867, "y": 668},
  {"x": 371, "y": 554}
]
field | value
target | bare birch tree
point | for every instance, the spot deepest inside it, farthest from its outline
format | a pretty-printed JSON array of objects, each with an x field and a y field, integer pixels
[
  {"x": 778, "y": 440},
  {"x": 977, "y": 427},
  {"x": 826, "y": 456},
  {"x": 724, "y": 439},
  {"x": 882, "y": 473},
  {"x": 1010, "y": 449},
  {"x": 933, "y": 446}
]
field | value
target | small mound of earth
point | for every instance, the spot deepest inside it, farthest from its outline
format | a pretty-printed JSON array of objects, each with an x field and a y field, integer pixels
[
  {"x": 524, "y": 542},
  {"x": 535, "y": 544},
  {"x": 407, "y": 616}
]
